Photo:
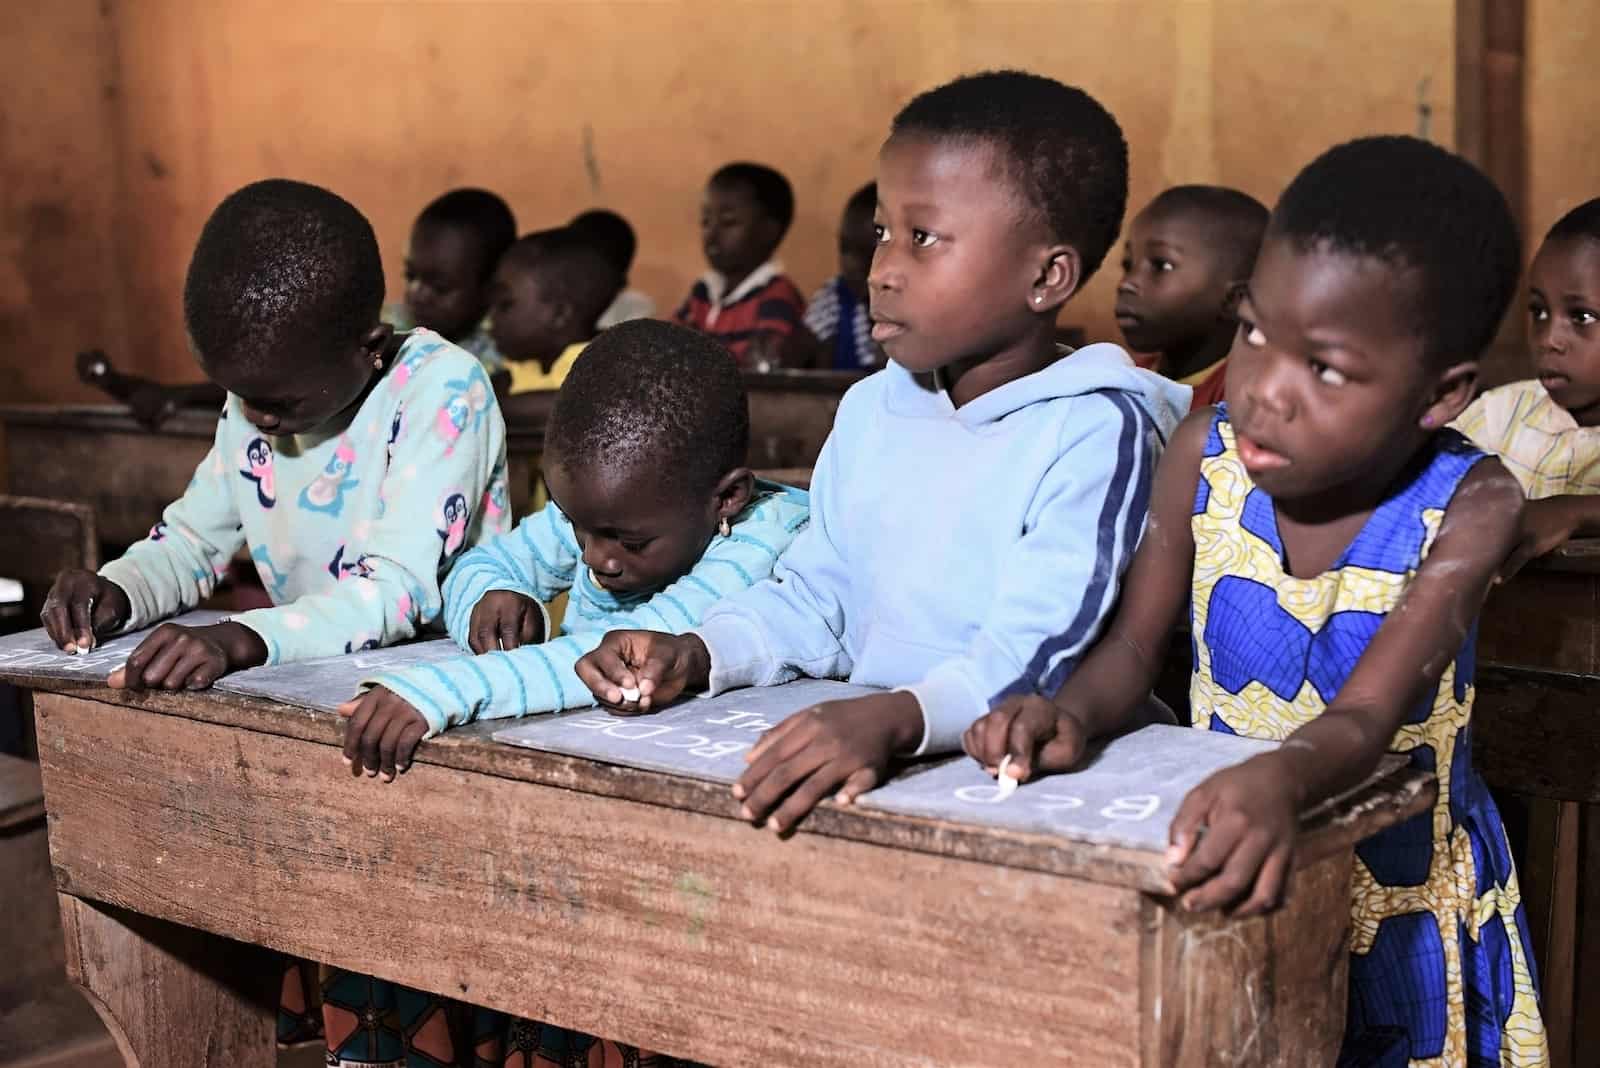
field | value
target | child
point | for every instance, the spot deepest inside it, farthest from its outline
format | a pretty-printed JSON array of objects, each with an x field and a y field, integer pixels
[
  {"x": 654, "y": 518},
  {"x": 1337, "y": 546},
  {"x": 837, "y": 314},
  {"x": 745, "y": 301},
  {"x": 549, "y": 289},
  {"x": 450, "y": 260},
  {"x": 978, "y": 500},
  {"x": 354, "y": 464},
  {"x": 611, "y": 234},
  {"x": 1546, "y": 430},
  {"x": 1188, "y": 253}
]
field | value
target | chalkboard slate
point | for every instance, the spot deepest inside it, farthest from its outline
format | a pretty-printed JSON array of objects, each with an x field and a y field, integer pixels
[
  {"x": 33, "y": 653},
  {"x": 328, "y": 682},
  {"x": 1125, "y": 795},
  {"x": 703, "y": 739}
]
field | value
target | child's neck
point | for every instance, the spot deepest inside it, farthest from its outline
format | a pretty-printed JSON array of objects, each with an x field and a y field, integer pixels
[
  {"x": 733, "y": 281},
  {"x": 1318, "y": 528},
  {"x": 1197, "y": 354},
  {"x": 971, "y": 377},
  {"x": 547, "y": 360}
]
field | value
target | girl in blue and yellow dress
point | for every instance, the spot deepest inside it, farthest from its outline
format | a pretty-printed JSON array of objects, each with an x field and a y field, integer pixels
[{"x": 1336, "y": 545}]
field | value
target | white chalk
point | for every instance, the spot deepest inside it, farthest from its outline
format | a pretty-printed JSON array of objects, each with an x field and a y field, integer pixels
[
  {"x": 630, "y": 695},
  {"x": 1004, "y": 781}
]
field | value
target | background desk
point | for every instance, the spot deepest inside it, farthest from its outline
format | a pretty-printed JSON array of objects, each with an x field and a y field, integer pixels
[
  {"x": 1536, "y": 729},
  {"x": 187, "y": 831}
]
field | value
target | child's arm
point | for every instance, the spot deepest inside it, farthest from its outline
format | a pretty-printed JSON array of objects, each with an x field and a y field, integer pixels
[
  {"x": 433, "y": 491},
  {"x": 431, "y": 698},
  {"x": 1249, "y": 814},
  {"x": 537, "y": 560},
  {"x": 1042, "y": 734},
  {"x": 1548, "y": 524}
]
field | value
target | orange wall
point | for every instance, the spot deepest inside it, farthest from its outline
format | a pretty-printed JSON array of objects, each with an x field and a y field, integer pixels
[{"x": 560, "y": 106}]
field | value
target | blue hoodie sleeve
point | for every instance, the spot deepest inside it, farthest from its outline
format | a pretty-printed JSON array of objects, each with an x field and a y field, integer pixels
[
  {"x": 538, "y": 559},
  {"x": 793, "y": 623},
  {"x": 1061, "y": 579}
]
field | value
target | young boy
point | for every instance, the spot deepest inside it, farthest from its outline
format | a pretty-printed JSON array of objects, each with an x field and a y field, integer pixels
[
  {"x": 455, "y": 244},
  {"x": 837, "y": 315},
  {"x": 745, "y": 301},
  {"x": 612, "y": 235},
  {"x": 548, "y": 291},
  {"x": 1547, "y": 429},
  {"x": 978, "y": 500},
  {"x": 1188, "y": 254}
]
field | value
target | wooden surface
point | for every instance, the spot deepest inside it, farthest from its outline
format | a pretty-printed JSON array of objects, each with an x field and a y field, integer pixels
[
  {"x": 1536, "y": 735},
  {"x": 636, "y": 905},
  {"x": 21, "y": 795}
]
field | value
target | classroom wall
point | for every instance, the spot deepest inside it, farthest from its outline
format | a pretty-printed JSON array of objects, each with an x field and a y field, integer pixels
[
  {"x": 1563, "y": 134},
  {"x": 561, "y": 106}
]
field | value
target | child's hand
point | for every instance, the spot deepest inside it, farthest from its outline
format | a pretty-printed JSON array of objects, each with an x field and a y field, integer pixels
[
  {"x": 382, "y": 734},
  {"x": 656, "y": 667},
  {"x": 1547, "y": 524},
  {"x": 842, "y": 746},
  {"x": 1033, "y": 732},
  {"x": 94, "y": 367},
  {"x": 82, "y": 606},
  {"x": 503, "y": 620},
  {"x": 1233, "y": 838},
  {"x": 189, "y": 658},
  {"x": 152, "y": 404}
]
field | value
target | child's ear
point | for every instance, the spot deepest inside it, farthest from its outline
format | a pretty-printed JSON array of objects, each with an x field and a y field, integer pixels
[
  {"x": 1452, "y": 392},
  {"x": 1232, "y": 299},
  {"x": 374, "y": 344},
  {"x": 733, "y": 492},
  {"x": 1058, "y": 279}
]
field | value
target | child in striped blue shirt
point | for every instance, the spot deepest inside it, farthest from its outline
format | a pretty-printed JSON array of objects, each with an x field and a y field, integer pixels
[{"x": 653, "y": 519}]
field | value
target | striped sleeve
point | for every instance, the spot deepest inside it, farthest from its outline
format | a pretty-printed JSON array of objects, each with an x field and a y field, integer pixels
[
  {"x": 538, "y": 559},
  {"x": 542, "y": 678},
  {"x": 1061, "y": 580},
  {"x": 822, "y": 314}
]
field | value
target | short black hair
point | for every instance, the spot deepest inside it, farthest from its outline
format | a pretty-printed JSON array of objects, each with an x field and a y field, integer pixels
[
  {"x": 772, "y": 191},
  {"x": 611, "y": 234},
  {"x": 1059, "y": 147},
  {"x": 1417, "y": 206},
  {"x": 649, "y": 395},
  {"x": 482, "y": 215},
  {"x": 282, "y": 266},
  {"x": 863, "y": 199},
  {"x": 571, "y": 269},
  {"x": 1236, "y": 220},
  {"x": 1581, "y": 221}
]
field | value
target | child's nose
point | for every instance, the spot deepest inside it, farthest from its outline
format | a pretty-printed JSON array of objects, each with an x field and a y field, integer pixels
[{"x": 599, "y": 555}]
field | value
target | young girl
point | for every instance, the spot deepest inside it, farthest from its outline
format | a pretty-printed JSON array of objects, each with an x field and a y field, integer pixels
[
  {"x": 1546, "y": 430},
  {"x": 977, "y": 501},
  {"x": 1337, "y": 545},
  {"x": 355, "y": 466}
]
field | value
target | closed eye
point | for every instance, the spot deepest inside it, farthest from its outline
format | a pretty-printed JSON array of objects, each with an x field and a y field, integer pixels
[{"x": 636, "y": 546}]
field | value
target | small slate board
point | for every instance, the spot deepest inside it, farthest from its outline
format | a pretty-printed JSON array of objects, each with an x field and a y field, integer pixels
[
  {"x": 33, "y": 653},
  {"x": 1126, "y": 795},
  {"x": 702, "y": 739},
  {"x": 328, "y": 682}
]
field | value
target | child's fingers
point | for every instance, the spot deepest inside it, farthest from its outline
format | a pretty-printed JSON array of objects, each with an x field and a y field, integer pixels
[
  {"x": 1270, "y": 883},
  {"x": 161, "y": 672},
  {"x": 530, "y": 625},
  {"x": 858, "y": 783},
  {"x": 54, "y": 618},
  {"x": 807, "y": 794},
  {"x": 986, "y": 739},
  {"x": 481, "y": 633},
  {"x": 600, "y": 670},
  {"x": 81, "y": 619},
  {"x": 357, "y": 726},
  {"x": 118, "y": 679},
  {"x": 1186, "y": 825},
  {"x": 203, "y": 675},
  {"x": 104, "y": 617},
  {"x": 1223, "y": 833},
  {"x": 788, "y": 735},
  {"x": 405, "y": 748},
  {"x": 1030, "y": 729},
  {"x": 1234, "y": 879},
  {"x": 508, "y": 632},
  {"x": 1062, "y": 752},
  {"x": 388, "y": 741},
  {"x": 349, "y": 707},
  {"x": 767, "y": 784}
]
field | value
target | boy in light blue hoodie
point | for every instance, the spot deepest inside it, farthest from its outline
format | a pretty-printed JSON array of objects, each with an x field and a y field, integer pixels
[{"x": 978, "y": 501}]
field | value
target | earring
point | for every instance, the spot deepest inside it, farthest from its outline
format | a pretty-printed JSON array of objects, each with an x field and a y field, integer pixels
[
  {"x": 724, "y": 528},
  {"x": 1427, "y": 421},
  {"x": 1037, "y": 299}
]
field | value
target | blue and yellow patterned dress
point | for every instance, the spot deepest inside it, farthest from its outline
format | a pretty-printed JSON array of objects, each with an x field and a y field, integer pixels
[{"x": 1440, "y": 972}]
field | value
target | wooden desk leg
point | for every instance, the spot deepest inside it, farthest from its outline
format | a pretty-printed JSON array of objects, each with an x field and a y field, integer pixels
[{"x": 173, "y": 995}]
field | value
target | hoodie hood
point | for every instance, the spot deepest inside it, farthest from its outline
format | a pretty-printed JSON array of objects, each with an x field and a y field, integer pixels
[{"x": 1091, "y": 369}]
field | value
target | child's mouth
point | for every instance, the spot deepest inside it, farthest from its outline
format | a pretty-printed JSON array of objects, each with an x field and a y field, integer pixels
[
  {"x": 886, "y": 329},
  {"x": 1257, "y": 457}
]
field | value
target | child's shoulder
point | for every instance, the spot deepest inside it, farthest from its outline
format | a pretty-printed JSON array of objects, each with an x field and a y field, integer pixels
[{"x": 427, "y": 362}]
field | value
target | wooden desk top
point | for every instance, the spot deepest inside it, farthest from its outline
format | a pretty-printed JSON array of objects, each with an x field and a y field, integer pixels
[{"x": 1384, "y": 801}]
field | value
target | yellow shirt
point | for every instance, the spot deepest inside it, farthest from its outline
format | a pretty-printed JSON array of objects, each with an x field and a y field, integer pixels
[
  {"x": 528, "y": 376},
  {"x": 1540, "y": 443}
]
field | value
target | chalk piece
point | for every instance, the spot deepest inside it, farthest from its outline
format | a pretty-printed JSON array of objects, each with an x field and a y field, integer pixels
[
  {"x": 1008, "y": 783},
  {"x": 630, "y": 694}
]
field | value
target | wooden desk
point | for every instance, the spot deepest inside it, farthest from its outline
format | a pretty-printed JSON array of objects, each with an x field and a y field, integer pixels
[
  {"x": 637, "y": 905},
  {"x": 1536, "y": 725}
]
